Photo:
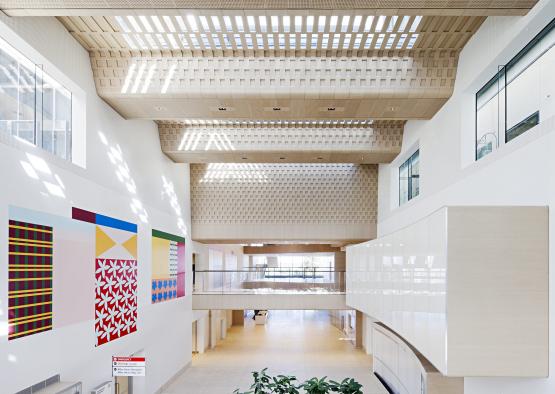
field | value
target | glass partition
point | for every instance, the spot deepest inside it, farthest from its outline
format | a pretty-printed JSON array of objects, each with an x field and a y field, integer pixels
[{"x": 269, "y": 280}]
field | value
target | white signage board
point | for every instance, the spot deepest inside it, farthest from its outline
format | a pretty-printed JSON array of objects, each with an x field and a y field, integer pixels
[{"x": 128, "y": 366}]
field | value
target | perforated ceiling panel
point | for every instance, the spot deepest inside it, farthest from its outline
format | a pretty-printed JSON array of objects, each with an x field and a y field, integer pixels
[
  {"x": 495, "y": 5},
  {"x": 283, "y": 201},
  {"x": 278, "y": 141}
]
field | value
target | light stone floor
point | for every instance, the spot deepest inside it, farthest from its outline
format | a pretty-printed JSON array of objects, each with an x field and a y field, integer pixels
[{"x": 301, "y": 343}]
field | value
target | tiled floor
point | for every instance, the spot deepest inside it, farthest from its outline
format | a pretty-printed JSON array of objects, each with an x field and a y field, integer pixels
[{"x": 302, "y": 343}]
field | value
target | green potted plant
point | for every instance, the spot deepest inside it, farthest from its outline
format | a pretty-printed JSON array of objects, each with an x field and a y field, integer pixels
[{"x": 347, "y": 386}]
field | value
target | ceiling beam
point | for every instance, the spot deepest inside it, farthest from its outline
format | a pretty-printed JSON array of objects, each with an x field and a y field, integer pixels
[
  {"x": 384, "y": 7},
  {"x": 290, "y": 248}
]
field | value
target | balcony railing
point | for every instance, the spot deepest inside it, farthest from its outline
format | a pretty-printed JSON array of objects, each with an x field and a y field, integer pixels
[{"x": 269, "y": 280}]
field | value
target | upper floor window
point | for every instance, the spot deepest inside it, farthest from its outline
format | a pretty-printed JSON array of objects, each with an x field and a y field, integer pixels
[
  {"x": 409, "y": 177},
  {"x": 519, "y": 96},
  {"x": 33, "y": 106}
]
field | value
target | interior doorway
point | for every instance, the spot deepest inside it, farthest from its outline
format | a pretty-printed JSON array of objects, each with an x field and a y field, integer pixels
[{"x": 124, "y": 385}]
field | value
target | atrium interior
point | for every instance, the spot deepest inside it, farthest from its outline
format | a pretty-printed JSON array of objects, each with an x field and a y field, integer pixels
[{"x": 292, "y": 197}]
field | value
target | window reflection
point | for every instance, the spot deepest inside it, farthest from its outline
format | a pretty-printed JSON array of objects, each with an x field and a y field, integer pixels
[{"x": 33, "y": 106}]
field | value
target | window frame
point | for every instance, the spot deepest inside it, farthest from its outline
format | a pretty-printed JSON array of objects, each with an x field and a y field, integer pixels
[
  {"x": 46, "y": 76},
  {"x": 505, "y": 69},
  {"x": 409, "y": 163}
]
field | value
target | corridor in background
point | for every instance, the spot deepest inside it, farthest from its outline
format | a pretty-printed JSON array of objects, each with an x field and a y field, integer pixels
[{"x": 300, "y": 343}]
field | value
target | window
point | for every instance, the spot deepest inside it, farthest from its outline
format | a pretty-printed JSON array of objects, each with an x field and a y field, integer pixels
[
  {"x": 518, "y": 96},
  {"x": 34, "y": 107},
  {"x": 409, "y": 176}
]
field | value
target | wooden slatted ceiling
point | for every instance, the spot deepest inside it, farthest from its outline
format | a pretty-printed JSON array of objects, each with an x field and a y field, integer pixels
[
  {"x": 287, "y": 35},
  {"x": 483, "y": 5}
]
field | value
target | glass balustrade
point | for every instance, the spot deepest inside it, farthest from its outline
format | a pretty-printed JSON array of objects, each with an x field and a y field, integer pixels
[{"x": 269, "y": 280}]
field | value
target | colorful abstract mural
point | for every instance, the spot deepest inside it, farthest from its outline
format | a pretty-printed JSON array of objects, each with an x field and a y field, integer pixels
[
  {"x": 30, "y": 278},
  {"x": 115, "y": 275},
  {"x": 50, "y": 276},
  {"x": 168, "y": 266}
]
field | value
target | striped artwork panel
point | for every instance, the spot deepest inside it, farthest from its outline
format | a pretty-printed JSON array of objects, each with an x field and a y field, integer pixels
[{"x": 30, "y": 279}]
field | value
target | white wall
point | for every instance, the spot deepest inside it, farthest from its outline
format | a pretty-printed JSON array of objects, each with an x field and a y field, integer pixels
[
  {"x": 521, "y": 173},
  {"x": 164, "y": 330}
]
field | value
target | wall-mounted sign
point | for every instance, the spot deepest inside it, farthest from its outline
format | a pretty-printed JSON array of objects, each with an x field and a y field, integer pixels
[{"x": 128, "y": 366}]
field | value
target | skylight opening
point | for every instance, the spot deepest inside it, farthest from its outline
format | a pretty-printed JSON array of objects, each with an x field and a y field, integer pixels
[
  {"x": 368, "y": 43},
  {"x": 262, "y": 22},
  {"x": 183, "y": 40},
  {"x": 275, "y": 23},
  {"x": 129, "y": 41},
  {"x": 345, "y": 23},
  {"x": 379, "y": 41},
  {"x": 298, "y": 23},
  {"x": 251, "y": 23},
  {"x": 401, "y": 41},
  {"x": 168, "y": 79},
  {"x": 192, "y": 22},
  {"x": 239, "y": 23},
  {"x": 347, "y": 41},
  {"x": 122, "y": 24},
  {"x": 158, "y": 24},
  {"x": 194, "y": 40},
  {"x": 335, "y": 43},
  {"x": 216, "y": 23},
  {"x": 358, "y": 41},
  {"x": 412, "y": 41},
  {"x": 368, "y": 23},
  {"x": 270, "y": 41},
  {"x": 260, "y": 41},
  {"x": 356, "y": 22},
  {"x": 151, "y": 41},
  {"x": 415, "y": 23},
  {"x": 248, "y": 39},
  {"x": 286, "y": 23},
  {"x": 228, "y": 24},
  {"x": 204, "y": 23},
  {"x": 146, "y": 24},
  {"x": 181, "y": 23},
  {"x": 391, "y": 25},
  {"x": 282, "y": 41},
  {"x": 227, "y": 41},
  {"x": 135, "y": 24},
  {"x": 169, "y": 23},
  {"x": 205, "y": 41},
  {"x": 404, "y": 23},
  {"x": 292, "y": 41},
  {"x": 321, "y": 23},
  {"x": 309, "y": 23},
  {"x": 162, "y": 40},
  {"x": 172, "y": 41},
  {"x": 380, "y": 23},
  {"x": 333, "y": 23},
  {"x": 390, "y": 41},
  {"x": 140, "y": 41},
  {"x": 303, "y": 41},
  {"x": 325, "y": 40},
  {"x": 314, "y": 43},
  {"x": 238, "y": 42}
]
